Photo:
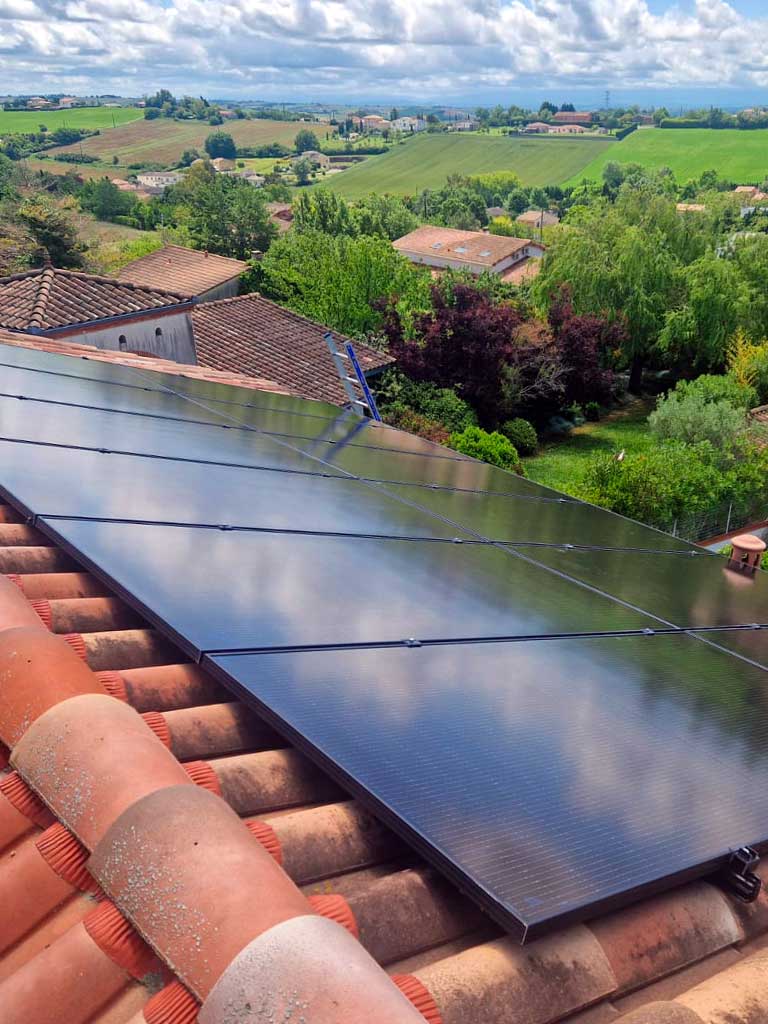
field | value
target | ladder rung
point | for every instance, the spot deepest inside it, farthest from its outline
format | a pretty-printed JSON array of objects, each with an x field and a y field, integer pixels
[{"x": 353, "y": 380}]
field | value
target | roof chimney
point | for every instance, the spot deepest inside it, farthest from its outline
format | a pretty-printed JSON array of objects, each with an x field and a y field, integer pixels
[{"x": 746, "y": 554}]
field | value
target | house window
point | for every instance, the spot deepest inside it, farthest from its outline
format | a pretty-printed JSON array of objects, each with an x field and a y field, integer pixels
[
  {"x": 122, "y": 341},
  {"x": 158, "y": 332}
]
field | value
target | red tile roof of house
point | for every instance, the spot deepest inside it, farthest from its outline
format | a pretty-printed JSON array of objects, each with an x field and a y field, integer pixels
[
  {"x": 572, "y": 117},
  {"x": 250, "y": 334},
  {"x": 162, "y": 848},
  {"x": 460, "y": 246},
  {"x": 186, "y": 271},
  {"x": 48, "y": 298}
]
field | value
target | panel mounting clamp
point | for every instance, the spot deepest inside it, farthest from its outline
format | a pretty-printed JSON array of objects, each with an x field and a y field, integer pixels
[{"x": 739, "y": 878}]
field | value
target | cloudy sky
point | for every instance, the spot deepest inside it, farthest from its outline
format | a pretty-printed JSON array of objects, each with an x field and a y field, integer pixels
[{"x": 351, "y": 50}]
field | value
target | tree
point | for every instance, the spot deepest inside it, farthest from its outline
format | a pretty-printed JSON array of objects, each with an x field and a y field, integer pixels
[
  {"x": 188, "y": 157},
  {"x": 322, "y": 210},
  {"x": 394, "y": 114},
  {"x": 52, "y": 228},
  {"x": 585, "y": 345},
  {"x": 338, "y": 280},
  {"x": 305, "y": 140},
  {"x": 303, "y": 169},
  {"x": 385, "y": 216},
  {"x": 220, "y": 144},
  {"x": 464, "y": 342},
  {"x": 230, "y": 217},
  {"x": 105, "y": 200}
]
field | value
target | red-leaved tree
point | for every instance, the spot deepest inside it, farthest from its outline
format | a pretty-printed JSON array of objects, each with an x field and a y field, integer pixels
[
  {"x": 466, "y": 342},
  {"x": 585, "y": 345}
]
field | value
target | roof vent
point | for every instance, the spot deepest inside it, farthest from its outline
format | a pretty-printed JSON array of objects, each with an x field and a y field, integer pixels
[{"x": 746, "y": 554}]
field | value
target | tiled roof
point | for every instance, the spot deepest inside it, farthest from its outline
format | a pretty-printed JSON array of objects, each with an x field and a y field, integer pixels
[
  {"x": 161, "y": 847},
  {"x": 48, "y": 298},
  {"x": 461, "y": 246},
  {"x": 151, "y": 363},
  {"x": 186, "y": 271},
  {"x": 250, "y": 334}
]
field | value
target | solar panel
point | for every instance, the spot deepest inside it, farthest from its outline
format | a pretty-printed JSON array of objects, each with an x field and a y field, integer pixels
[
  {"x": 552, "y": 778},
  {"x": 246, "y": 590},
  {"x": 503, "y": 673}
]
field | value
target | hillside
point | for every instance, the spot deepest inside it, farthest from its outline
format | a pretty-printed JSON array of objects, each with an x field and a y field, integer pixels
[
  {"x": 164, "y": 140},
  {"x": 741, "y": 156},
  {"x": 81, "y": 117},
  {"x": 427, "y": 161}
]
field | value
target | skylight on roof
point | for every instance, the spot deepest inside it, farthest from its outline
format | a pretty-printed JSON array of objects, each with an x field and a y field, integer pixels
[
  {"x": 437, "y": 245},
  {"x": 461, "y": 248},
  {"x": 486, "y": 252}
]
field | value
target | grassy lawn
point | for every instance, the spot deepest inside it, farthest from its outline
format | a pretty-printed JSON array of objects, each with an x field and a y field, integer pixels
[
  {"x": 561, "y": 463},
  {"x": 741, "y": 156},
  {"x": 82, "y": 117},
  {"x": 163, "y": 140},
  {"x": 426, "y": 162}
]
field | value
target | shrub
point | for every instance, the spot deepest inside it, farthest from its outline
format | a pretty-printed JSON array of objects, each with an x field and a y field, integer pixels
[
  {"x": 493, "y": 448},
  {"x": 592, "y": 411},
  {"x": 522, "y": 434},
  {"x": 406, "y": 419},
  {"x": 719, "y": 388},
  {"x": 666, "y": 483},
  {"x": 691, "y": 418},
  {"x": 575, "y": 414}
]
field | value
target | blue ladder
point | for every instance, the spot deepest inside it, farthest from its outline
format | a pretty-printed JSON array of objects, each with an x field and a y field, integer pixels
[{"x": 362, "y": 400}]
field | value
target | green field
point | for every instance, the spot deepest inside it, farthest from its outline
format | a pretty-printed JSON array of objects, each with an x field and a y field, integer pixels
[
  {"x": 427, "y": 161},
  {"x": 163, "y": 140},
  {"x": 741, "y": 156},
  {"x": 82, "y": 117}
]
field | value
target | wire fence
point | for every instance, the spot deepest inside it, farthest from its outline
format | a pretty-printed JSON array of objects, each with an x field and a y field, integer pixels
[{"x": 713, "y": 523}]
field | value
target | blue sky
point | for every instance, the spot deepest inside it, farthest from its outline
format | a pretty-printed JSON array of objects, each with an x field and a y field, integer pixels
[{"x": 355, "y": 50}]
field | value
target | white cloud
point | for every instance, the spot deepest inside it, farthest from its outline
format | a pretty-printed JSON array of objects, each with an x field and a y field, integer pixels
[{"x": 367, "y": 47}]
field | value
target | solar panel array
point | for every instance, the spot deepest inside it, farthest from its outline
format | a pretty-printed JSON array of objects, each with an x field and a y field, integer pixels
[{"x": 559, "y": 707}]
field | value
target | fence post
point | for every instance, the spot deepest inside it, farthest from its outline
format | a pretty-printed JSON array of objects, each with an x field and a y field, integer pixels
[
  {"x": 728, "y": 521},
  {"x": 674, "y": 529}
]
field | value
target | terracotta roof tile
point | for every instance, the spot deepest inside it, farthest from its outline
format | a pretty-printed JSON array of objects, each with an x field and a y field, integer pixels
[
  {"x": 185, "y": 271},
  {"x": 50, "y": 298},
  {"x": 181, "y": 859},
  {"x": 252, "y": 335}
]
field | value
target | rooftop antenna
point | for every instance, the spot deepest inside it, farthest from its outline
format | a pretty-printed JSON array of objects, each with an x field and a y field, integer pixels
[{"x": 607, "y": 99}]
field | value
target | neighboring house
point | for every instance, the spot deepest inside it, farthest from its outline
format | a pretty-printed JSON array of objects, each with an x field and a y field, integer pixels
[
  {"x": 281, "y": 215},
  {"x": 319, "y": 159},
  {"x": 251, "y": 335},
  {"x": 582, "y": 117},
  {"x": 567, "y": 129},
  {"x": 538, "y": 219},
  {"x": 38, "y": 103},
  {"x": 156, "y": 182},
  {"x": 188, "y": 272},
  {"x": 537, "y": 128},
  {"x": 373, "y": 123},
  {"x": 409, "y": 124},
  {"x": 465, "y": 126},
  {"x": 475, "y": 251},
  {"x": 750, "y": 192},
  {"x": 492, "y": 212},
  {"x": 222, "y": 163},
  {"x": 98, "y": 311},
  {"x": 66, "y": 102}
]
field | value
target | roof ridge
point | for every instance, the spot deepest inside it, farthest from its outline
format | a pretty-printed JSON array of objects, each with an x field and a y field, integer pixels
[{"x": 47, "y": 278}]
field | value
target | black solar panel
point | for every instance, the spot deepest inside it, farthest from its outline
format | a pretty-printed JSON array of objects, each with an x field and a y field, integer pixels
[{"x": 561, "y": 708}]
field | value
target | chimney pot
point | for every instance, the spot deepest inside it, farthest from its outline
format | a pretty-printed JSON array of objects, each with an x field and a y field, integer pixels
[{"x": 746, "y": 554}]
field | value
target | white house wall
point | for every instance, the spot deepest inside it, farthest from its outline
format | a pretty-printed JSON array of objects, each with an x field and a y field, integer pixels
[{"x": 175, "y": 342}]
